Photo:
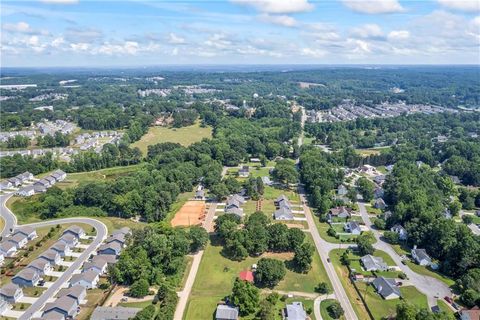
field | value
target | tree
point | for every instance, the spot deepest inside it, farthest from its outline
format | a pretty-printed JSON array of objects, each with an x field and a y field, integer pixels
[
  {"x": 391, "y": 237},
  {"x": 335, "y": 310},
  {"x": 455, "y": 207},
  {"x": 470, "y": 298},
  {"x": 198, "y": 237},
  {"x": 322, "y": 288},
  {"x": 146, "y": 313},
  {"x": 364, "y": 243},
  {"x": 366, "y": 188},
  {"x": 139, "y": 288},
  {"x": 245, "y": 296},
  {"x": 303, "y": 257},
  {"x": 467, "y": 219},
  {"x": 380, "y": 224},
  {"x": 278, "y": 240},
  {"x": 285, "y": 172},
  {"x": 269, "y": 272},
  {"x": 295, "y": 237}
]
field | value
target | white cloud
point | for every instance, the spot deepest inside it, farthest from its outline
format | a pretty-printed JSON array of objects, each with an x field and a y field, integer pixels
[
  {"x": 81, "y": 46},
  {"x": 368, "y": 31},
  {"x": 174, "y": 39},
  {"x": 463, "y": 5},
  {"x": 314, "y": 53},
  {"x": 175, "y": 52},
  {"x": 21, "y": 27},
  {"x": 277, "y": 6},
  {"x": 33, "y": 41},
  {"x": 398, "y": 35},
  {"x": 282, "y": 20},
  {"x": 57, "y": 42},
  {"x": 128, "y": 47},
  {"x": 79, "y": 35},
  {"x": 374, "y": 6},
  {"x": 218, "y": 41}
]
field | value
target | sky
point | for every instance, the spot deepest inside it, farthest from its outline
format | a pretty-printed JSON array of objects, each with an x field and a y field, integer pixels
[{"x": 87, "y": 33}]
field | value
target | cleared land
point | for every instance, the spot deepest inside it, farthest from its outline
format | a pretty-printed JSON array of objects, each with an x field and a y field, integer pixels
[
  {"x": 185, "y": 136},
  {"x": 190, "y": 214}
]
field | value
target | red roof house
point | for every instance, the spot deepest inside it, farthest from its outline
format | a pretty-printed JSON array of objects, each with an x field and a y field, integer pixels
[{"x": 246, "y": 276}]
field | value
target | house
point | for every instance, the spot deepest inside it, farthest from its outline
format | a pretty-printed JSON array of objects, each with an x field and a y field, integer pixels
[
  {"x": 41, "y": 266},
  {"x": 69, "y": 239},
  {"x": 76, "y": 292},
  {"x": 88, "y": 279},
  {"x": 380, "y": 179},
  {"x": 232, "y": 203},
  {"x": 114, "y": 313},
  {"x": 8, "y": 249},
  {"x": 372, "y": 263},
  {"x": 294, "y": 311},
  {"x": 200, "y": 195},
  {"x": 225, "y": 312},
  {"x": 11, "y": 292},
  {"x": 110, "y": 259},
  {"x": 118, "y": 238},
  {"x": 51, "y": 180},
  {"x": 378, "y": 193},
  {"x": 62, "y": 248},
  {"x": 52, "y": 256},
  {"x": 43, "y": 183},
  {"x": 471, "y": 314},
  {"x": 283, "y": 213},
  {"x": 112, "y": 248},
  {"x": 64, "y": 305},
  {"x": 379, "y": 204},
  {"x": 244, "y": 172},
  {"x": 25, "y": 176},
  {"x": 39, "y": 188},
  {"x": 26, "y": 191},
  {"x": 26, "y": 278},
  {"x": 282, "y": 201},
  {"x": 124, "y": 230},
  {"x": 59, "y": 175},
  {"x": 342, "y": 190},
  {"x": 15, "y": 182},
  {"x": 402, "y": 233},
  {"x": 387, "y": 215},
  {"x": 74, "y": 230},
  {"x": 29, "y": 232},
  {"x": 246, "y": 275},
  {"x": 5, "y": 185},
  {"x": 236, "y": 211},
  {"x": 19, "y": 240},
  {"x": 352, "y": 227},
  {"x": 3, "y": 306},
  {"x": 99, "y": 266},
  {"x": 421, "y": 256},
  {"x": 266, "y": 181},
  {"x": 340, "y": 212},
  {"x": 387, "y": 288}
]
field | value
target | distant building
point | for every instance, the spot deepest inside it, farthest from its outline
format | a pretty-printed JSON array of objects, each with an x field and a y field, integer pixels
[
  {"x": 421, "y": 256},
  {"x": 294, "y": 311},
  {"x": 387, "y": 288},
  {"x": 380, "y": 204},
  {"x": 75, "y": 231},
  {"x": 470, "y": 314},
  {"x": 19, "y": 240},
  {"x": 99, "y": 266},
  {"x": 69, "y": 239},
  {"x": 62, "y": 248},
  {"x": 112, "y": 248},
  {"x": 29, "y": 232},
  {"x": 246, "y": 275},
  {"x": 342, "y": 190},
  {"x": 40, "y": 265},
  {"x": 225, "y": 312},
  {"x": 340, "y": 212},
  {"x": 352, "y": 227},
  {"x": 52, "y": 256},
  {"x": 244, "y": 172},
  {"x": 402, "y": 233},
  {"x": 76, "y": 292},
  {"x": 284, "y": 213},
  {"x": 8, "y": 249},
  {"x": 64, "y": 305},
  {"x": 372, "y": 263}
]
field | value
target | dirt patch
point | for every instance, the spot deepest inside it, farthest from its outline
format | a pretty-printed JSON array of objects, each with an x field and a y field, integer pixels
[
  {"x": 190, "y": 214},
  {"x": 279, "y": 255}
]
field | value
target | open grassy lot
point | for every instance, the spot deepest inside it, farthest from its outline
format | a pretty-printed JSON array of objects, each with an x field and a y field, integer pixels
[
  {"x": 73, "y": 179},
  {"x": 216, "y": 275},
  {"x": 323, "y": 309},
  {"x": 185, "y": 136}
]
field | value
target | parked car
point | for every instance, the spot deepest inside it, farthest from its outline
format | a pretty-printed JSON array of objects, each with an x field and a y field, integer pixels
[{"x": 448, "y": 299}]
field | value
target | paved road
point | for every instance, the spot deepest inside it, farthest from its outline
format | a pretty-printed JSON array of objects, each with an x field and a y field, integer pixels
[
  {"x": 7, "y": 215},
  {"x": 317, "y": 302},
  {"x": 101, "y": 235},
  {"x": 429, "y": 286}
]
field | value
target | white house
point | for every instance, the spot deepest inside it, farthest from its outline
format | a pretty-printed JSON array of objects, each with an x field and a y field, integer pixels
[
  {"x": 42, "y": 266},
  {"x": 387, "y": 288},
  {"x": 26, "y": 191},
  {"x": 52, "y": 256},
  {"x": 88, "y": 279},
  {"x": 402, "y": 233},
  {"x": 8, "y": 249},
  {"x": 11, "y": 292},
  {"x": 69, "y": 239},
  {"x": 62, "y": 248},
  {"x": 74, "y": 230},
  {"x": 352, "y": 227},
  {"x": 99, "y": 266},
  {"x": 421, "y": 256},
  {"x": 20, "y": 240},
  {"x": 29, "y": 232}
]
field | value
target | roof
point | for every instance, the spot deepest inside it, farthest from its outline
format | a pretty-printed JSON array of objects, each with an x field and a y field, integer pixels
[
  {"x": 53, "y": 315},
  {"x": 17, "y": 238},
  {"x": 421, "y": 254},
  {"x": 107, "y": 257},
  {"x": 25, "y": 230},
  {"x": 64, "y": 303},
  {"x": 246, "y": 275},
  {"x": 108, "y": 313},
  {"x": 352, "y": 225},
  {"x": 9, "y": 289},
  {"x": 372, "y": 262},
  {"x": 112, "y": 245},
  {"x": 69, "y": 238},
  {"x": 88, "y": 276},
  {"x": 295, "y": 311},
  {"x": 236, "y": 211},
  {"x": 6, "y": 246},
  {"x": 49, "y": 254},
  {"x": 226, "y": 312},
  {"x": 75, "y": 292},
  {"x": 284, "y": 213},
  {"x": 386, "y": 286},
  {"x": 98, "y": 263},
  {"x": 120, "y": 237},
  {"x": 27, "y": 274},
  {"x": 59, "y": 246},
  {"x": 398, "y": 228},
  {"x": 38, "y": 263},
  {"x": 281, "y": 198},
  {"x": 27, "y": 189},
  {"x": 74, "y": 229},
  {"x": 472, "y": 314},
  {"x": 340, "y": 210},
  {"x": 124, "y": 230},
  {"x": 238, "y": 198}
]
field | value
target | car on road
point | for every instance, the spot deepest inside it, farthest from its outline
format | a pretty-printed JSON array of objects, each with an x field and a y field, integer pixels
[
  {"x": 124, "y": 299},
  {"x": 328, "y": 259}
]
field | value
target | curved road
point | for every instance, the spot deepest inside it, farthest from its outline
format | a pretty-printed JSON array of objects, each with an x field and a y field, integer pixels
[{"x": 11, "y": 223}]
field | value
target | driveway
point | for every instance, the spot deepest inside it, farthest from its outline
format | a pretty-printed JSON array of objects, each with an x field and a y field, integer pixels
[
  {"x": 12, "y": 314},
  {"x": 29, "y": 300}
]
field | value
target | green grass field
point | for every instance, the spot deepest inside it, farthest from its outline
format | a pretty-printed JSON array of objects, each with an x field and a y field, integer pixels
[
  {"x": 323, "y": 309},
  {"x": 73, "y": 179},
  {"x": 216, "y": 275},
  {"x": 185, "y": 136}
]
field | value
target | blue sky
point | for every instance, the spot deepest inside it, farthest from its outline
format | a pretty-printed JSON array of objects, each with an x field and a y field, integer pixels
[{"x": 138, "y": 33}]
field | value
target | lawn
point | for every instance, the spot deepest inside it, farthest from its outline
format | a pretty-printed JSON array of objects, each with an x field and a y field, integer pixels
[
  {"x": 142, "y": 304},
  {"x": 216, "y": 275},
  {"x": 185, "y": 136},
  {"x": 323, "y": 227},
  {"x": 444, "y": 307},
  {"x": 73, "y": 179},
  {"x": 323, "y": 309}
]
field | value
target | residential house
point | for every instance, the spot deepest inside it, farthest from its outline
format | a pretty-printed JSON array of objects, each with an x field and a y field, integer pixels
[
  {"x": 387, "y": 288},
  {"x": 99, "y": 266},
  {"x": 8, "y": 249},
  {"x": 380, "y": 204},
  {"x": 64, "y": 305},
  {"x": 114, "y": 313},
  {"x": 52, "y": 256},
  {"x": 74, "y": 230},
  {"x": 380, "y": 179},
  {"x": 470, "y": 314},
  {"x": 3, "y": 306},
  {"x": 15, "y": 182},
  {"x": 118, "y": 238},
  {"x": 342, "y": 190},
  {"x": 26, "y": 278},
  {"x": 244, "y": 172},
  {"x": 69, "y": 239},
  {"x": 29, "y": 232},
  {"x": 43, "y": 183},
  {"x": 402, "y": 233},
  {"x": 340, "y": 212},
  {"x": 266, "y": 181},
  {"x": 76, "y": 292},
  {"x": 62, "y": 248},
  {"x": 372, "y": 263},
  {"x": 200, "y": 194},
  {"x": 59, "y": 175},
  {"x": 294, "y": 311},
  {"x": 5, "y": 185},
  {"x": 41, "y": 266},
  {"x": 421, "y": 256},
  {"x": 282, "y": 201},
  {"x": 11, "y": 292},
  {"x": 378, "y": 193},
  {"x": 25, "y": 176},
  {"x": 225, "y": 312},
  {"x": 387, "y": 215},
  {"x": 88, "y": 279},
  {"x": 110, "y": 259},
  {"x": 352, "y": 227},
  {"x": 124, "y": 230},
  {"x": 112, "y": 248},
  {"x": 39, "y": 188},
  {"x": 19, "y": 240},
  {"x": 51, "y": 180},
  {"x": 246, "y": 275},
  {"x": 236, "y": 211},
  {"x": 284, "y": 213}
]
